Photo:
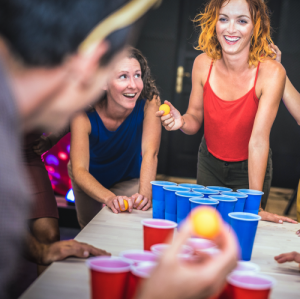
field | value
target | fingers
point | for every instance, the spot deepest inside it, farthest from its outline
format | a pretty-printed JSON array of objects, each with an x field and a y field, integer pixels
[
  {"x": 148, "y": 205},
  {"x": 130, "y": 203},
  {"x": 138, "y": 201},
  {"x": 286, "y": 219},
  {"x": 298, "y": 233},
  {"x": 285, "y": 257},
  {"x": 114, "y": 206}
]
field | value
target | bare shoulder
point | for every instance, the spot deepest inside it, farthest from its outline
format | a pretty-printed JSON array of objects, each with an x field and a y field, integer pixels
[
  {"x": 201, "y": 67},
  {"x": 81, "y": 122},
  {"x": 272, "y": 69}
]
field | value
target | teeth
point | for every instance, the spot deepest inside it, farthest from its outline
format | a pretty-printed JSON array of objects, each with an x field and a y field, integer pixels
[
  {"x": 129, "y": 94},
  {"x": 232, "y": 39}
]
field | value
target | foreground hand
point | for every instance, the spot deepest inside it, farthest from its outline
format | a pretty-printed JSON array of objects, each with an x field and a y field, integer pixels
[
  {"x": 60, "y": 250},
  {"x": 288, "y": 257},
  {"x": 41, "y": 145},
  {"x": 298, "y": 233},
  {"x": 276, "y": 50},
  {"x": 172, "y": 121},
  {"x": 115, "y": 202},
  {"x": 175, "y": 279},
  {"x": 266, "y": 216},
  {"x": 140, "y": 202}
]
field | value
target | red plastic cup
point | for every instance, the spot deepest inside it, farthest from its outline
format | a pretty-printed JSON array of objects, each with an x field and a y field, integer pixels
[
  {"x": 249, "y": 285},
  {"x": 158, "y": 249},
  {"x": 137, "y": 275},
  {"x": 109, "y": 276},
  {"x": 157, "y": 231},
  {"x": 138, "y": 256}
]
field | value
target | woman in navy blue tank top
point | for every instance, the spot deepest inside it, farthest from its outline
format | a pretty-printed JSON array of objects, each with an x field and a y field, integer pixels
[{"x": 114, "y": 147}]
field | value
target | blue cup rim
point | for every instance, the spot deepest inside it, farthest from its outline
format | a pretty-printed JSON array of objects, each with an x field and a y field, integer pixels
[
  {"x": 209, "y": 191},
  {"x": 189, "y": 196},
  {"x": 250, "y": 191},
  {"x": 203, "y": 200},
  {"x": 221, "y": 188},
  {"x": 236, "y": 194},
  {"x": 195, "y": 189},
  {"x": 187, "y": 184},
  {"x": 170, "y": 188},
  {"x": 162, "y": 183},
  {"x": 230, "y": 198},
  {"x": 235, "y": 215}
]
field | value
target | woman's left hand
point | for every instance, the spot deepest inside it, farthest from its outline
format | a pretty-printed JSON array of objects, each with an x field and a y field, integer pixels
[
  {"x": 266, "y": 216},
  {"x": 276, "y": 50},
  {"x": 140, "y": 202}
]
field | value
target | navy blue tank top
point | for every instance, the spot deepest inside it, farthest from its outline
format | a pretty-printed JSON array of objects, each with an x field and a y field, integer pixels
[{"x": 116, "y": 156}]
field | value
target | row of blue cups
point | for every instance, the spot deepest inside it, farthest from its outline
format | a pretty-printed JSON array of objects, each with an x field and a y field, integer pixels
[{"x": 173, "y": 202}]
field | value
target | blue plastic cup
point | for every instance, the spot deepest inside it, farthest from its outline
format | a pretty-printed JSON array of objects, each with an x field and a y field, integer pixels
[
  {"x": 191, "y": 186},
  {"x": 208, "y": 192},
  {"x": 158, "y": 198},
  {"x": 219, "y": 188},
  {"x": 198, "y": 189},
  {"x": 239, "y": 206},
  {"x": 225, "y": 206},
  {"x": 252, "y": 203},
  {"x": 200, "y": 201},
  {"x": 245, "y": 226},
  {"x": 183, "y": 204},
  {"x": 171, "y": 201}
]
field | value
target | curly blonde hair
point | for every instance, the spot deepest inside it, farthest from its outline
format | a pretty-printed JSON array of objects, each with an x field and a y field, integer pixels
[{"x": 259, "y": 49}]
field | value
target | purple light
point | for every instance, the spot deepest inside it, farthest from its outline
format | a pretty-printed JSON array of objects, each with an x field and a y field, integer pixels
[{"x": 50, "y": 159}]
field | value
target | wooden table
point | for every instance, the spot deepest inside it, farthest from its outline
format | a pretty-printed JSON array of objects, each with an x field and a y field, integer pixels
[{"x": 115, "y": 233}]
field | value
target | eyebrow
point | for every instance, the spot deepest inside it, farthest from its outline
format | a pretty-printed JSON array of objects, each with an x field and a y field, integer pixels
[{"x": 237, "y": 17}]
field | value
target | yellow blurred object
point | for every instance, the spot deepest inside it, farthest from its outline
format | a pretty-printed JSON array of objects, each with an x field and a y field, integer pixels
[
  {"x": 206, "y": 222},
  {"x": 125, "y": 204},
  {"x": 165, "y": 108}
]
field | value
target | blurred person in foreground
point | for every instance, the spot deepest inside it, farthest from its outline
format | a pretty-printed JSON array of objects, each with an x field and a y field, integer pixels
[{"x": 48, "y": 71}]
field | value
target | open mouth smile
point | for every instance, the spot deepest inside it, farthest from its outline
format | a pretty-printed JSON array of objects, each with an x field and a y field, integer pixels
[
  {"x": 231, "y": 40},
  {"x": 129, "y": 95}
]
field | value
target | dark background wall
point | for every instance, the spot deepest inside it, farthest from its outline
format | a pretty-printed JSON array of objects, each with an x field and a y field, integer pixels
[{"x": 168, "y": 35}]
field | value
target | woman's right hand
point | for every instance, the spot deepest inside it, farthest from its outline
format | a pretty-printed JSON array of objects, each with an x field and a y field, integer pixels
[
  {"x": 115, "y": 202},
  {"x": 172, "y": 121}
]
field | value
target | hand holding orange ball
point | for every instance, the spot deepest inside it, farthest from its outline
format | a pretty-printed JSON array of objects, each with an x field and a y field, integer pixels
[
  {"x": 166, "y": 108},
  {"x": 206, "y": 222},
  {"x": 125, "y": 204}
]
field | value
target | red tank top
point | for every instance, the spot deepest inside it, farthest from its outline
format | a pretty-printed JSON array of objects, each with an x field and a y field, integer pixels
[{"x": 228, "y": 124}]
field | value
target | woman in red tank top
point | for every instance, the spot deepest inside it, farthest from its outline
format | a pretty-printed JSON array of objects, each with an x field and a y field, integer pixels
[{"x": 236, "y": 89}]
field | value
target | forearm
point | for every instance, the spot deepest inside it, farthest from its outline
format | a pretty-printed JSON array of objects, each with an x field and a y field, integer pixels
[
  {"x": 148, "y": 173},
  {"x": 34, "y": 249},
  {"x": 91, "y": 186},
  {"x": 291, "y": 99},
  {"x": 191, "y": 124},
  {"x": 257, "y": 164}
]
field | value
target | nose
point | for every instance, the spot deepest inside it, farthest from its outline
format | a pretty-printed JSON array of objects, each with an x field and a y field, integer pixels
[
  {"x": 231, "y": 27},
  {"x": 131, "y": 83}
]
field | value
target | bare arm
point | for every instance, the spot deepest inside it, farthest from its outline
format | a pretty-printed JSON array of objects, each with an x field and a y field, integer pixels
[
  {"x": 291, "y": 97},
  {"x": 80, "y": 157},
  {"x": 272, "y": 90},
  {"x": 45, "y": 254},
  {"x": 150, "y": 147},
  {"x": 191, "y": 122}
]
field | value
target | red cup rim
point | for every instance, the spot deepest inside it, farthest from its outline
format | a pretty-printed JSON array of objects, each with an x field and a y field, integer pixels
[
  {"x": 270, "y": 281},
  {"x": 126, "y": 268},
  {"x": 156, "y": 251},
  {"x": 172, "y": 224},
  {"x": 137, "y": 251},
  {"x": 137, "y": 269},
  {"x": 252, "y": 267}
]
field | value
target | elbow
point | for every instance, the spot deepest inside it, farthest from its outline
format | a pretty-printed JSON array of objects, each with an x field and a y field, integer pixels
[
  {"x": 153, "y": 155},
  {"x": 258, "y": 144}
]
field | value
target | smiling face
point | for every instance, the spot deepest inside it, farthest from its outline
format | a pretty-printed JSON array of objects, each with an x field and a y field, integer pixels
[
  {"x": 126, "y": 84},
  {"x": 234, "y": 27}
]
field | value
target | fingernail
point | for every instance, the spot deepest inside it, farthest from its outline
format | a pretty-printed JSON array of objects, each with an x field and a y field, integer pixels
[
  {"x": 86, "y": 253},
  {"x": 280, "y": 221}
]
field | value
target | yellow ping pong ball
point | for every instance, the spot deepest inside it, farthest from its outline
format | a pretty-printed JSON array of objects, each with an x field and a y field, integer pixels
[
  {"x": 165, "y": 108},
  {"x": 125, "y": 205},
  {"x": 206, "y": 222}
]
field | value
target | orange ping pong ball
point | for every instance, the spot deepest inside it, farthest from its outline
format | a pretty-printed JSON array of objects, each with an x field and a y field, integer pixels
[
  {"x": 165, "y": 108},
  {"x": 125, "y": 204},
  {"x": 206, "y": 222}
]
